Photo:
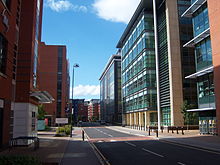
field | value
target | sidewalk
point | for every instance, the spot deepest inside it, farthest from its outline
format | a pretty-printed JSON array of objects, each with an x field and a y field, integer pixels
[
  {"x": 79, "y": 152},
  {"x": 59, "y": 150},
  {"x": 190, "y": 138}
]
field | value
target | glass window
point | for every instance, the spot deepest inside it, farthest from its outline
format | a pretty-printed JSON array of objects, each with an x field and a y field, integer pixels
[
  {"x": 3, "y": 53},
  {"x": 203, "y": 53},
  {"x": 201, "y": 20}
]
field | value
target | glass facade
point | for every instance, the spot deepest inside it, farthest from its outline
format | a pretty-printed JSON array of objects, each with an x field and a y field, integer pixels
[
  {"x": 110, "y": 94},
  {"x": 138, "y": 67},
  {"x": 200, "y": 20},
  {"x": 188, "y": 57},
  {"x": 203, "y": 60},
  {"x": 203, "y": 53},
  {"x": 206, "y": 92},
  {"x": 36, "y": 44}
]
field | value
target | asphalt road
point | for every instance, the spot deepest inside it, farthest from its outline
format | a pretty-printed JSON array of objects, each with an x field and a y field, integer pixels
[
  {"x": 149, "y": 152},
  {"x": 102, "y": 132}
]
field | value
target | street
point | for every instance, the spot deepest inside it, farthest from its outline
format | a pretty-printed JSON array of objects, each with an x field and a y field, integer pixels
[{"x": 121, "y": 148}]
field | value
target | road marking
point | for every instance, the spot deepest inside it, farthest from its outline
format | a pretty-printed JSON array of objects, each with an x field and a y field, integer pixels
[
  {"x": 130, "y": 144},
  {"x": 181, "y": 163},
  {"x": 138, "y": 135},
  {"x": 191, "y": 147},
  {"x": 104, "y": 132},
  {"x": 152, "y": 152}
]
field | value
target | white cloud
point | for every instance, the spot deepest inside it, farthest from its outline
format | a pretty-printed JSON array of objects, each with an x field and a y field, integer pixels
[
  {"x": 85, "y": 91},
  {"x": 115, "y": 10},
  {"x": 64, "y": 5}
]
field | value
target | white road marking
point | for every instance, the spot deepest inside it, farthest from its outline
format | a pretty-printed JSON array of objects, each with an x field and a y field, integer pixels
[
  {"x": 181, "y": 163},
  {"x": 130, "y": 144},
  {"x": 191, "y": 147},
  {"x": 152, "y": 152},
  {"x": 103, "y": 132}
]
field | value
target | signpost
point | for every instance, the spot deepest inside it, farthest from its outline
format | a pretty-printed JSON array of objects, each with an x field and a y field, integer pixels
[{"x": 61, "y": 120}]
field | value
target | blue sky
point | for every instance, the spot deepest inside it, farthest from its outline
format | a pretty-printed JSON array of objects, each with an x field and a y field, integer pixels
[{"x": 90, "y": 29}]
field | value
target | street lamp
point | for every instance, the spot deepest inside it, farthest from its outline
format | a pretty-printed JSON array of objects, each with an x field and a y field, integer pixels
[{"x": 71, "y": 118}]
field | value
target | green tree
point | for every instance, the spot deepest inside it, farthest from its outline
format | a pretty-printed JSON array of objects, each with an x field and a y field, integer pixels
[
  {"x": 41, "y": 112},
  {"x": 190, "y": 118}
]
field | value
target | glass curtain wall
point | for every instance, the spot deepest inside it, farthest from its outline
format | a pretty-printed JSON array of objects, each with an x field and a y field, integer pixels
[{"x": 138, "y": 67}]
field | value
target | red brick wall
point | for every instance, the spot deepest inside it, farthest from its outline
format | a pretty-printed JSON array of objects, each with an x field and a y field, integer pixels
[
  {"x": 7, "y": 84},
  {"x": 93, "y": 110},
  {"x": 25, "y": 63},
  {"x": 48, "y": 68},
  {"x": 214, "y": 17}
]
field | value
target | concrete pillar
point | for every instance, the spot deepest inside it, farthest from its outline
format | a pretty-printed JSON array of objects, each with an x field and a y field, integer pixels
[
  {"x": 135, "y": 119},
  {"x": 145, "y": 121},
  {"x": 139, "y": 119},
  {"x": 157, "y": 61}
]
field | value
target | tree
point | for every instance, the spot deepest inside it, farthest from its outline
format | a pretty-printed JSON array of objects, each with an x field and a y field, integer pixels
[
  {"x": 190, "y": 118},
  {"x": 41, "y": 112}
]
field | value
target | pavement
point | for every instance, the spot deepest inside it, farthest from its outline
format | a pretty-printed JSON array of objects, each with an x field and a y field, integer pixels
[
  {"x": 190, "y": 138},
  {"x": 59, "y": 150},
  {"x": 117, "y": 144}
]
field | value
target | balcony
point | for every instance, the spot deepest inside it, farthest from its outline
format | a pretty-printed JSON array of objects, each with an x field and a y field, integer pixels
[
  {"x": 200, "y": 73},
  {"x": 198, "y": 38},
  {"x": 193, "y": 8}
]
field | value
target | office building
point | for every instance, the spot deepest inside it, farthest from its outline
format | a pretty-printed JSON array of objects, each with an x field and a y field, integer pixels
[
  {"x": 28, "y": 95},
  {"x": 154, "y": 64},
  {"x": 9, "y": 30},
  {"x": 110, "y": 91},
  {"x": 80, "y": 110},
  {"x": 204, "y": 14},
  {"x": 53, "y": 77}
]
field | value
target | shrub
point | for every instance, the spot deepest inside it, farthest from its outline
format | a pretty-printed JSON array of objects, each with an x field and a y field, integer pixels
[
  {"x": 19, "y": 160},
  {"x": 63, "y": 130}
]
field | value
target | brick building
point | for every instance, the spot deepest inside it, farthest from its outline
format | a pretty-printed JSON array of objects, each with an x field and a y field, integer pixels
[
  {"x": 214, "y": 16},
  {"x": 9, "y": 29},
  {"x": 28, "y": 95},
  {"x": 53, "y": 77},
  {"x": 94, "y": 110}
]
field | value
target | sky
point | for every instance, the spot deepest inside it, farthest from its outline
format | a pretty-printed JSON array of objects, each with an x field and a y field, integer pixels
[{"x": 91, "y": 30}]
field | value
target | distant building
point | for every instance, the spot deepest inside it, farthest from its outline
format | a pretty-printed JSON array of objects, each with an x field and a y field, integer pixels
[
  {"x": 110, "y": 91},
  {"x": 53, "y": 77},
  {"x": 93, "y": 109},
  {"x": 80, "y": 110}
]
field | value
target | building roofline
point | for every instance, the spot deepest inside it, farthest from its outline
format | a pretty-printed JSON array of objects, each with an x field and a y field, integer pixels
[
  {"x": 143, "y": 6},
  {"x": 111, "y": 59}
]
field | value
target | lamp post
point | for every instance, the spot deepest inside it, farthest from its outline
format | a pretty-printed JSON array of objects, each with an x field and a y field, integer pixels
[{"x": 71, "y": 117}]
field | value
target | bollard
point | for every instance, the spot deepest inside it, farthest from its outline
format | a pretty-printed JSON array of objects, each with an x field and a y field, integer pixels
[
  {"x": 148, "y": 131},
  {"x": 156, "y": 132},
  {"x": 182, "y": 131},
  {"x": 177, "y": 130},
  {"x": 83, "y": 136},
  {"x": 172, "y": 129},
  {"x": 168, "y": 129},
  {"x": 162, "y": 129}
]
